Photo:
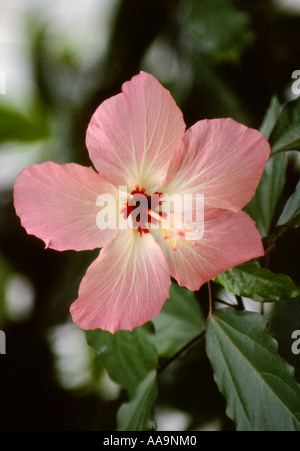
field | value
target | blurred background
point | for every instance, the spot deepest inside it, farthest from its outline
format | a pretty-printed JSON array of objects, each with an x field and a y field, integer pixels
[{"x": 58, "y": 61}]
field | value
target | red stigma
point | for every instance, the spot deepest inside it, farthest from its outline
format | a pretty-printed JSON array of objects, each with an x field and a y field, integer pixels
[{"x": 143, "y": 217}]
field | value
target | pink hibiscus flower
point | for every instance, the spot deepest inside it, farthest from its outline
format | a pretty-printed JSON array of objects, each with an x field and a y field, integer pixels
[{"x": 137, "y": 140}]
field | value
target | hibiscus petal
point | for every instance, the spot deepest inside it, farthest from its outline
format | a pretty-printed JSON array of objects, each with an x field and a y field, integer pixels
[
  {"x": 132, "y": 135},
  {"x": 125, "y": 286},
  {"x": 229, "y": 239},
  {"x": 57, "y": 203},
  {"x": 221, "y": 159}
]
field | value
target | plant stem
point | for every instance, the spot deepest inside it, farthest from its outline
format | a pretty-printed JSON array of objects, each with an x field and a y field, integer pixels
[
  {"x": 240, "y": 303},
  {"x": 220, "y": 301},
  {"x": 180, "y": 351}
]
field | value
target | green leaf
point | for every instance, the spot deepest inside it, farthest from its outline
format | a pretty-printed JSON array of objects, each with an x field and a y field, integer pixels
[
  {"x": 283, "y": 322},
  {"x": 286, "y": 133},
  {"x": 260, "y": 284},
  {"x": 180, "y": 320},
  {"x": 260, "y": 390},
  {"x": 271, "y": 117},
  {"x": 128, "y": 356},
  {"x": 290, "y": 216},
  {"x": 15, "y": 126},
  {"x": 262, "y": 207},
  {"x": 136, "y": 415}
]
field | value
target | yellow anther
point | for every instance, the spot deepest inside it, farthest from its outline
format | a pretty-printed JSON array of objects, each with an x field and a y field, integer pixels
[{"x": 174, "y": 229}]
